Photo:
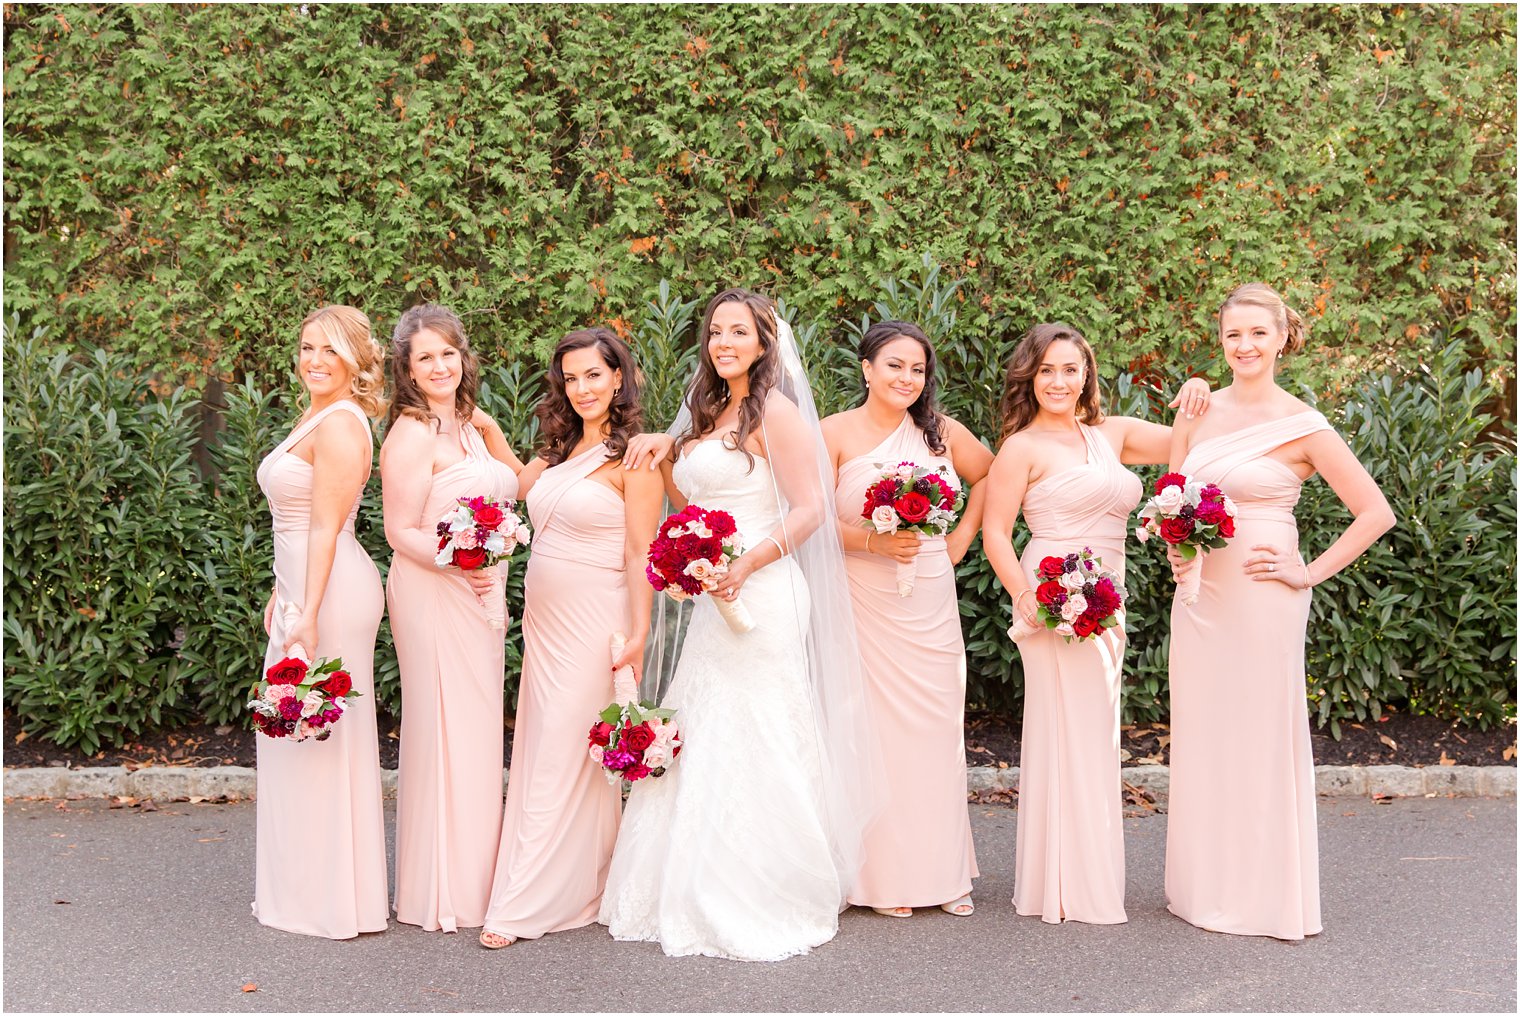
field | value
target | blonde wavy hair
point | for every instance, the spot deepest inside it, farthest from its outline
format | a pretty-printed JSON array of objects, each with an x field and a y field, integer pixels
[{"x": 347, "y": 329}]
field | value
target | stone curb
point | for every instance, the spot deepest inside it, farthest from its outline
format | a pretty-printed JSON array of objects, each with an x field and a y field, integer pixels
[{"x": 235, "y": 783}]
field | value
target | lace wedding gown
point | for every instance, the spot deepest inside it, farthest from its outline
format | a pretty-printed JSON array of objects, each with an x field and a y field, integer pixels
[{"x": 728, "y": 853}]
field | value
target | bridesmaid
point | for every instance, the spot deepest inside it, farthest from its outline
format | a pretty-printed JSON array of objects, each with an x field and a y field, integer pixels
[
  {"x": 320, "y": 867},
  {"x": 1062, "y": 464},
  {"x": 1242, "y": 854},
  {"x": 441, "y": 446},
  {"x": 593, "y": 523},
  {"x": 918, "y": 852}
]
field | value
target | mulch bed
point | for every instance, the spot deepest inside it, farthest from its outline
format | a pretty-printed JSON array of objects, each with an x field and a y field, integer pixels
[{"x": 1399, "y": 739}]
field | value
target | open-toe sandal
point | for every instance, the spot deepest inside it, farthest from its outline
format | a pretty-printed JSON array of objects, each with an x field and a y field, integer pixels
[
  {"x": 962, "y": 907},
  {"x": 491, "y": 940}
]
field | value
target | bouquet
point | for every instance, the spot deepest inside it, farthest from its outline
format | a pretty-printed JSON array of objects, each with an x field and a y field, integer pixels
[
  {"x": 918, "y": 499},
  {"x": 479, "y": 533},
  {"x": 1077, "y": 597},
  {"x": 299, "y": 700},
  {"x": 631, "y": 740},
  {"x": 1191, "y": 516},
  {"x": 691, "y": 554}
]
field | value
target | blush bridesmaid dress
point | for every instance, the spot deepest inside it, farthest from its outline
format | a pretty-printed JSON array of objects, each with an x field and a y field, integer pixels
[
  {"x": 1242, "y": 849},
  {"x": 918, "y": 851},
  {"x": 1069, "y": 850},
  {"x": 562, "y": 814},
  {"x": 448, "y": 789},
  {"x": 320, "y": 845}
]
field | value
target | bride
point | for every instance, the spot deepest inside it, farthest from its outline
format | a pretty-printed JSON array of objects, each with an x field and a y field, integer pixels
[{"x": 747, "y": 847}]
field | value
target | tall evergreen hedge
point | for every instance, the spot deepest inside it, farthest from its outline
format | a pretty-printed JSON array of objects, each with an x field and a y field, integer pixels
[{"x": 184, "y": 182}]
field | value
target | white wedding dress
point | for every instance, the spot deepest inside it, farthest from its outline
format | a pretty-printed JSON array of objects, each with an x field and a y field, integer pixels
[{"x": 728, "y": 853}]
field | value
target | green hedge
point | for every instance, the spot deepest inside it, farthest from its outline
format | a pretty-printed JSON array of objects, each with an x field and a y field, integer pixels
[
  {"x": 184, "y": 182},
  {"x": 133, "y": 588}
]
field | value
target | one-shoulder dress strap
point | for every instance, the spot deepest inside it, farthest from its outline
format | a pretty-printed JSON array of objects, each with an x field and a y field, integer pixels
[{"x": 545, "y": 497}]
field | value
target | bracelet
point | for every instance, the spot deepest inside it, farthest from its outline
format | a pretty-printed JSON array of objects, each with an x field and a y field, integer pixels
[
  {"x": 1308, "y": 577},
  {"x": 868, "y": 542},
  {"x": 778, "y": 545},
  {"x": 1020, "y": 596}
]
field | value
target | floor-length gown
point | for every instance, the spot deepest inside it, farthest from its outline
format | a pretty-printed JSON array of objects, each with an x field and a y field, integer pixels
[
  {"x": 918, "y": 851},
  {"x": 728, "y": 853},
  {"x": 1242, "y": 848},
  {"x": 1069, "y": 851},
  {"x": 320, "y": 855},
  {"x": 561, "y": 817},
  {"x": 448, "y": 788}
]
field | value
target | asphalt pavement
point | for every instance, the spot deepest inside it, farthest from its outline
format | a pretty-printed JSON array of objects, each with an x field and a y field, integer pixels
[{"x": 130, "y": 910}]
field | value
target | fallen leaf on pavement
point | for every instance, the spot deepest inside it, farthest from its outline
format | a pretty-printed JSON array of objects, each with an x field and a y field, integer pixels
[
  {"x": 66, "y": 903},
  {"x": 22, "y": 736},
  {"x": 1390, "y": 742},
  {"x": 1447, "y": 761},
  {"x": 250, "y": 986},
  {"x": 1509, "y": 753}
]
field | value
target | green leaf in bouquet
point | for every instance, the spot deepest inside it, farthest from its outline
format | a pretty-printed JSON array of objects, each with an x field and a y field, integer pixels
[{"x": 612, "y": 714}]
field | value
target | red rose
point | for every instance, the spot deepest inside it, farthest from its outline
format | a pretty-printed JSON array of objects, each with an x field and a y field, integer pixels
[
  {"x": 1227, "y": 527},
  {"x": 637, "y": 771},
  {"x": 471, "y": 559},
  {"x": 1176, "y": 530},
  {"x": 489, "y": 517},
  {"x": 1084, "y": 625},
  {"x": 287, "y": 671},
  {"x": 337, "y": 684},
  {"x": 913, "y": 507},
  {"x": 638, "y": 738},
  {"x": 1052, "y": 567},
  {"x": 601, "y": 733},
  {"x": 1050, "y": 593},
  {"x": 1171, "y": 480}
]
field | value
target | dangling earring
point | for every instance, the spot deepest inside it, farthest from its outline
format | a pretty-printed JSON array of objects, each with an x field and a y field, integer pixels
[{"x": 617, "y": 391}]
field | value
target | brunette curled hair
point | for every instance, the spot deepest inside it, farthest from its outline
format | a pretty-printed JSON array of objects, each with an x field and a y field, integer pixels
[
  {"x": 408, "y": 399},
  {"x": 710, "y": 395},
  {"x": 560, "y": 426},
  {"x": 1018, "y": 406},
  {"x": 1259, "y": 294},
  {"x": 925, "y": 413}
]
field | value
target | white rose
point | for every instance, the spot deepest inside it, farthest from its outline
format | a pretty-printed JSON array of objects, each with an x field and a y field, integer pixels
[
  {"x": 1072, "y": 580},
  {"x": 312, "y": 703},
  {"x": 597, "y": 751},
  {"x": 884, "y": 519},
  {"x": 675, "y": 532},
  {"x": 1169, "y": 500},
  {"x": 676, "y": 593},
  {"x": 522, "y": 535},
  {"x": 1065, "y": 629},
  {"x": 1229, "y": 507},
  {"x": 656, "y": 755},
  {"x": 1142, "y": 534},
  {"x": 698, "y": 528},
  {"x": 1076, "y": 603},
  {"x": 905, "y": 471}
]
